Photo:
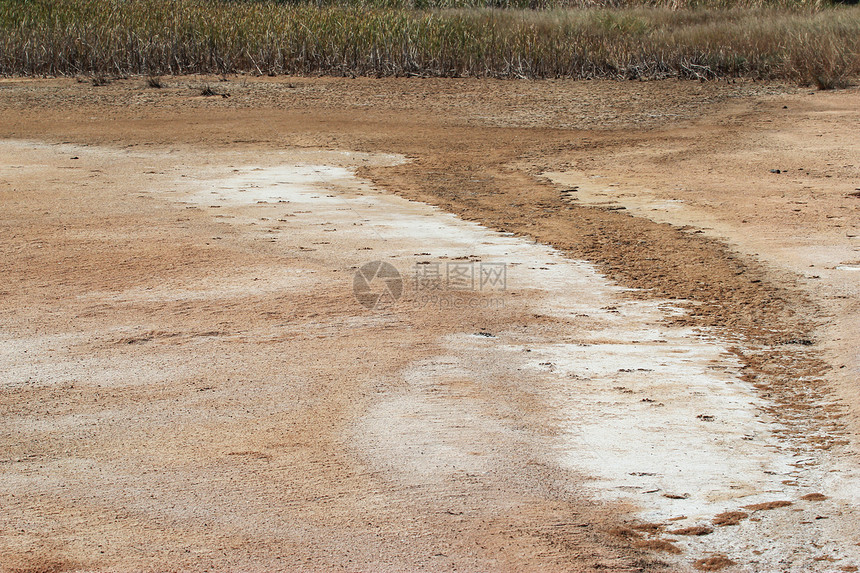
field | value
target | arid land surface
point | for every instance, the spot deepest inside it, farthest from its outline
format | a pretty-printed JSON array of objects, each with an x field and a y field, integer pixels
[{"x": 667, "y": 381}]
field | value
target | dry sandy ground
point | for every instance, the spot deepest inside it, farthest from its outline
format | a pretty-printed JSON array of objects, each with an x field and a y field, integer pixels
[{"x": 667, "y": 381}]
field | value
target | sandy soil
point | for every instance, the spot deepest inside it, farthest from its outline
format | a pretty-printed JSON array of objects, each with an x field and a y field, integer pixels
[{"x": 668, "y": 380}]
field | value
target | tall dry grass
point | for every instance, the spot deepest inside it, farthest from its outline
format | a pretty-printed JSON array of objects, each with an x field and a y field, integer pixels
[{"x": 809, "y": 42}]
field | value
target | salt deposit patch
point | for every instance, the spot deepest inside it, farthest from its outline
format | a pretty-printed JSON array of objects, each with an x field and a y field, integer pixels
[
  {"x": 653, "y": 415},
  {"x": 261, "y": 185}
]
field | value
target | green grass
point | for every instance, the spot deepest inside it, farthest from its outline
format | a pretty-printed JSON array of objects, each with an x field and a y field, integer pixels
[{"x": 807, "y": 42}]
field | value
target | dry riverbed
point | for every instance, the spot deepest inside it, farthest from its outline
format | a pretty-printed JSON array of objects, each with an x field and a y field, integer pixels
[{"x": 426, "y": 325}]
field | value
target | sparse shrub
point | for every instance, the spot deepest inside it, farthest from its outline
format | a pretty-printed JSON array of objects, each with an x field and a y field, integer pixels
[{"x": 208, "y": 91}]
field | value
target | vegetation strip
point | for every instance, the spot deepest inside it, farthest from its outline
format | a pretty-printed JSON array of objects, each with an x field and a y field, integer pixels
[{"x": 809, "y": 42}]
